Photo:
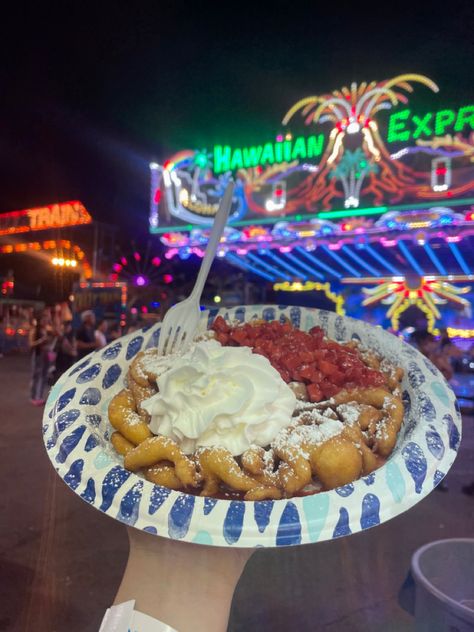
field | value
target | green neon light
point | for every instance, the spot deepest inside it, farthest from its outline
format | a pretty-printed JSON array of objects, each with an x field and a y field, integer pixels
[
  {"x": 403, "y": 126},
  {"x": 396, "y": 127},
  {"x": 227, "y": 158},
  {"x": 443, "y": 119},
  {"x": 422, "y": 125},
  {"x": 465, "y": 117},
  {"x": 201, "y": 160},
  {"x": 374, "y": 210}
]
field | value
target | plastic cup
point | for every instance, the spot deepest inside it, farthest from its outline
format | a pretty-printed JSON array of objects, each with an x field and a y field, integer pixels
[{"x": 444, "y": 576}]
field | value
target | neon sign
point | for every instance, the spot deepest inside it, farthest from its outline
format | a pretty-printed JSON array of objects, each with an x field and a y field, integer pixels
[
  {"x": 45, "y": 217},
  {"x": 342, "y": 167},
  {"x": 227, "y": 158},
  {"x": 404, "y": 125}
]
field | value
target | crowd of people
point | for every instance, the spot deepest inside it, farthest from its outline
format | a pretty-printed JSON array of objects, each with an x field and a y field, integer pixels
[
  {"x": 56, "y": 346},
  {"x": 441, "y": 351}
]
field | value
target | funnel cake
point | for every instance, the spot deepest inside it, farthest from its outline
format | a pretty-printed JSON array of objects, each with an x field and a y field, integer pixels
[{"x": 344, "y": 423}]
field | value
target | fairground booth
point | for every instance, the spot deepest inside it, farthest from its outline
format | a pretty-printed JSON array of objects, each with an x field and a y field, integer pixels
[
  {"x": 48, "y": 255},
  {"x": 362, "y": 202}
]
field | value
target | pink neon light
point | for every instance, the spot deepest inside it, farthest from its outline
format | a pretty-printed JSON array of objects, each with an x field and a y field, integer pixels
[{"x": 172, "y": 252}]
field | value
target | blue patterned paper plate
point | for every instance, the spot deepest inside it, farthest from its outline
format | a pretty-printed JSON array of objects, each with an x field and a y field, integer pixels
[{"x": 76, "y": 434}]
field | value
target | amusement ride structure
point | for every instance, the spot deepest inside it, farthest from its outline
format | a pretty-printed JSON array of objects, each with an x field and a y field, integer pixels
[{"x": 375, "y": 214}]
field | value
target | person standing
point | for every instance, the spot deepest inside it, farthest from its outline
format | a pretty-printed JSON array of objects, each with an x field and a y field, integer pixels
[
  {"x": 427, "y": 344},
  {"x": 85, "y": 336},
  {"x": 66, "y": 349},
  {"x": 40, "y": 339},
  {"x": 100, "y": 334}
]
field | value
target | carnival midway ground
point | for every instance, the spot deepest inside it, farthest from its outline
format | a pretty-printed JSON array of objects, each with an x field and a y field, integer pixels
[{"x": 61, "y": 561}]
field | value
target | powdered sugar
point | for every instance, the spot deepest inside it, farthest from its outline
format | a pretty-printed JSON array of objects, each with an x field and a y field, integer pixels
[
  {"x": 304, "y": 436},
  {"x": 349, "y": 413}
]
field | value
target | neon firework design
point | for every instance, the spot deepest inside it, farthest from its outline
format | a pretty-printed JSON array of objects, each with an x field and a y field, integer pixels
[
  {"x": 423, "y": 292},
  {"x": 351, "y": 111}
]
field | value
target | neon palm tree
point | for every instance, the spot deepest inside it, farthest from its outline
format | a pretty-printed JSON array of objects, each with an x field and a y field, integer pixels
[{"x": 351, "y": 171}]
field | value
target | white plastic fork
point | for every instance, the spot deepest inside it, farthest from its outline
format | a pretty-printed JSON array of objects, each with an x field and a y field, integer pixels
[{"x": 182, "y": 320}]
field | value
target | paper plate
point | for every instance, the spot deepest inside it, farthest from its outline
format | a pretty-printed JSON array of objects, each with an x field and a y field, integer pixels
[{"x": 76, "y": 434}]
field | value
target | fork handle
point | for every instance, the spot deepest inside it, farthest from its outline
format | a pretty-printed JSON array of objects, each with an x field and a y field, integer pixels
[{"x": 218, "y": 226}]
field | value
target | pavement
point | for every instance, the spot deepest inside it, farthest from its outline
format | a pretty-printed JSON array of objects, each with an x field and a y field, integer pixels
[{"x": 61, "y": 561}]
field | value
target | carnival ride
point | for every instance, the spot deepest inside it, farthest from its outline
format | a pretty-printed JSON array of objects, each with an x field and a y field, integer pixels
[{"x": 385, "y": 230}]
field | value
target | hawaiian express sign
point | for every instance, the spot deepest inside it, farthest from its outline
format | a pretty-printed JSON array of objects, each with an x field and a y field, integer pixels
[
  {"x": 44, "y": 217},
  {"x": 402, "y": 126},
  {"x": 227, "y": 158}
]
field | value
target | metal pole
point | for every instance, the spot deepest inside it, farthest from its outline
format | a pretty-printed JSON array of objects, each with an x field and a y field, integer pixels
[{"x": 94, "y": 254}]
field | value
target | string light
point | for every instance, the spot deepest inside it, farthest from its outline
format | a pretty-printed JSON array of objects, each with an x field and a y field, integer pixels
[
  {"x": 311, "y": 286},
  {"x": 64, "y": 263},
  {"x": 460, "y": 333}
]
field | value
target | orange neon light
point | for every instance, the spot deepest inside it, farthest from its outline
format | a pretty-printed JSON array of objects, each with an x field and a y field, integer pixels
[
  {"x": 51, "y": 244},
  {"x": 42, "y": 218}
]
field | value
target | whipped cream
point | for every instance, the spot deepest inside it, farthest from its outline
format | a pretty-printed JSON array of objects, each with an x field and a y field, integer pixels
[{"x": 219, "y": 396}]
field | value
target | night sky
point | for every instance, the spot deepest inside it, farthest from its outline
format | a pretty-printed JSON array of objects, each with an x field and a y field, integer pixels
[{"x": 92, "y": 92}]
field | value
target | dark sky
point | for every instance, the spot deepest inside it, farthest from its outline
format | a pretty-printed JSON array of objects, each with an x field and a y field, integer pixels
[{"x": 92, "y": 92}]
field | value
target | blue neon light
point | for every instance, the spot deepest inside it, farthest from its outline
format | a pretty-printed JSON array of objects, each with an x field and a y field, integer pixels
[
  {"x": 432, "y": 255},
  {"x": 341, "y": 261},
  {"x": 360, "y": 261},
  {"x": 409, "y": 257},
  {"x": 318, "y": 263},
  {"x": 459, "y": 258},
  {"x": 284, "y": 264},
  {"x": 304, "y": 266},
  {"x": 267, "y": 266},
  {"x": 381, "y": 259},
  {"x": 246, "y": 266}
]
